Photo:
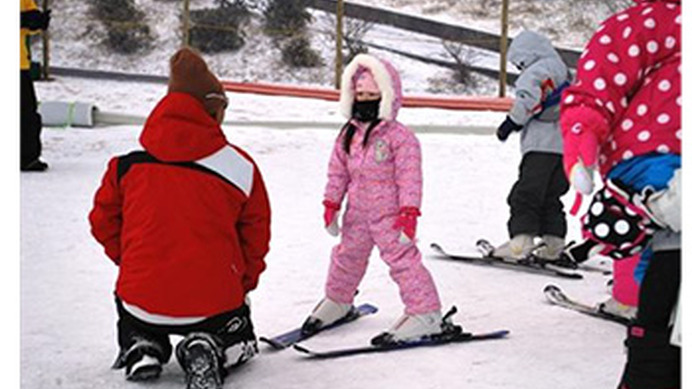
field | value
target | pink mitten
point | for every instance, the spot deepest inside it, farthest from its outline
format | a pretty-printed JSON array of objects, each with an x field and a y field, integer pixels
[
  {"x": 581, "y": 129},
  {"x": 406, "y": 222},
  {"x": 331, "y": 217}
]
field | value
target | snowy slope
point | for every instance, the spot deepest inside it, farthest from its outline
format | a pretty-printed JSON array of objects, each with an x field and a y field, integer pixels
[
  {"x": 67, "y": 312},
  {"x": 75, "y": 41},
  {"x": 562, "y": 21}
]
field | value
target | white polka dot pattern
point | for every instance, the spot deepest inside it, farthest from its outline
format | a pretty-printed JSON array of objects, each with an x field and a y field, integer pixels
[
  {"x": 599, "y": 84},
  {"x": 627, "y": 32},
  {"x": 627, "y": 124},
  {"x": 630, "y": 211},
  {"x": 642, "y": 109},
  {"x": 620, "y": 79},
  {"x": 633, "y": 51},
  {"x": 632, "y": 71},
  {"x": 597, "y": 208},
  {"x": 664, "y": 86},
  {"x": 670, "y": 42},
  {"x": 622, "y": 227},
  {"x": 602, "y": 230}
]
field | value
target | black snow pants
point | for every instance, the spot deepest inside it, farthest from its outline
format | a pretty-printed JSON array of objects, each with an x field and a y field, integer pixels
[
  {"x": 535, "y": 206},
  {"x": 652, "y": 362},
  {"x": 30, "y": 121},
  {"x": 232, "y": 329}
]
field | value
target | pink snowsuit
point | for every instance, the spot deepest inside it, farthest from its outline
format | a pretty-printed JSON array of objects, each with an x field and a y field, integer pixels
[
  {"x": 628, "y": 82},
  {"x": 379, "y": 179}
]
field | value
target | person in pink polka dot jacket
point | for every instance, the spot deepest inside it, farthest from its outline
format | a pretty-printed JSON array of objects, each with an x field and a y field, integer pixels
[{"x": 621, "y": 118}]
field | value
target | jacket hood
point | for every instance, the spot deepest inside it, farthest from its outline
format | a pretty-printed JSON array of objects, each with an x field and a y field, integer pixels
[
  {"x": 386, "y": 77},
  {"x": 528, "y": 48},
  {"x": 179, "y": 129}
]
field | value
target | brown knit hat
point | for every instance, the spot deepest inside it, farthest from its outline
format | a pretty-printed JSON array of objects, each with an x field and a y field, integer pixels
[{"x": 190, "y": 74}]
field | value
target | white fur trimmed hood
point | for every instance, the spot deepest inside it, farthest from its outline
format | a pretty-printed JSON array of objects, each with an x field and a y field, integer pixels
[{"x": 386, "y": 77}]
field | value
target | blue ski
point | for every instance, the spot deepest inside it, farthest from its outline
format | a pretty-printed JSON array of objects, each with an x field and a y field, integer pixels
[{"x": 287, "y": 339}]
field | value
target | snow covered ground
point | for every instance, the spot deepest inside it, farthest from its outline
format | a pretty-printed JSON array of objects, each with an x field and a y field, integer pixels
[{"x": 66, "y": 282}]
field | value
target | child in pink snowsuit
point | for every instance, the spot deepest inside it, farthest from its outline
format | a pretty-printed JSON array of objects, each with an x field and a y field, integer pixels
[{"x": 376, "y": 161}]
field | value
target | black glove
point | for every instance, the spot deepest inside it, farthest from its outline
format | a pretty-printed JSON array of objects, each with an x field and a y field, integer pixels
[
  {"x": 34, "y": 19},
  {"x": 506, "y": 128}
]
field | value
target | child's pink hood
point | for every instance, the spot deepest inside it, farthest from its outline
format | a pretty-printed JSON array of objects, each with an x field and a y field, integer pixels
[{"x": 386, "y": 77}]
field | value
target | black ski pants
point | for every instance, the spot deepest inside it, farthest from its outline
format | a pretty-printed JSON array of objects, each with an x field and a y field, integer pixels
[
  {"x": 228, "y": 329},
  {"x": 535, "y": 206},
  {"x": 30, "y": 121},
  {"x": 652, "y": 362}
]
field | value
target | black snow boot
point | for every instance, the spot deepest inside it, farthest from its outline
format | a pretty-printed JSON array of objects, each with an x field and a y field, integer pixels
[
  {"x": 202, "y": 360},
  {"x": 142, "y": 361}
]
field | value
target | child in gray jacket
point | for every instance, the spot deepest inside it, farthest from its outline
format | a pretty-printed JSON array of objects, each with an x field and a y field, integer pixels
[{"x": 535, "y": 206}]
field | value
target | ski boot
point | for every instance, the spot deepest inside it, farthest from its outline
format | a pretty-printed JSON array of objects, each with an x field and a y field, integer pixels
[
  {"x": 615, "y": 308},
  {"x": 517, "y": 248},
  {"x": 142, "y": 361},
  {"x": 552, "y": 250},
  {"x": 416, "y": 327},
  {"x": 201, "y": 360},
  {"x": 410, "y": 327},
  {"x": 326, "y": 312}
]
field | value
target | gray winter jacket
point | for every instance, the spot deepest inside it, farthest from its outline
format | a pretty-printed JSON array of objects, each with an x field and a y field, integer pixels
[{"x": 542, "y": 70}]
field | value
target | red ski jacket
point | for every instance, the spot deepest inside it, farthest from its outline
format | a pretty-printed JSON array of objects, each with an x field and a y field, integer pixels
[
  {"x": 187, "y": 219},
  {"x": 628, "y": 84}
]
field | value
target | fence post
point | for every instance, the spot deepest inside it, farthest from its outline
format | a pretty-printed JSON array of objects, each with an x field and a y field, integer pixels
[
  {"x": 186, "y": 22},
  {"x": 503, "y": 47},
  {"x": 45, "y": 40},
  {"x": 339, "y": 62}
]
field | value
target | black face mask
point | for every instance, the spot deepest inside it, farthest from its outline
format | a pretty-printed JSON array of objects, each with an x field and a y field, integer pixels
[{"x": 366, "y": 111}]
